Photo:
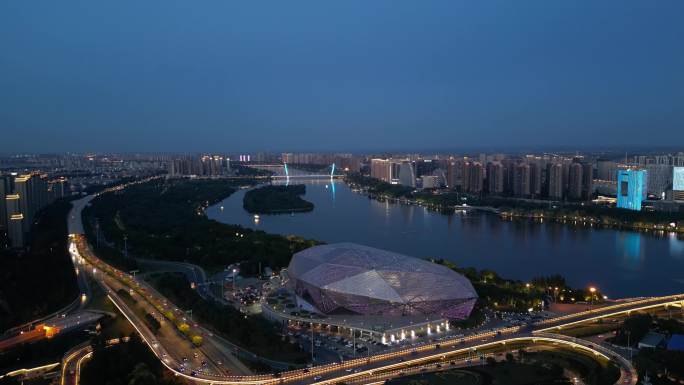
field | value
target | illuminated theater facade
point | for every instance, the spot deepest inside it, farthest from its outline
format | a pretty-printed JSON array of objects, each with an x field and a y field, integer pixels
[{"x": 352, "y": 279}]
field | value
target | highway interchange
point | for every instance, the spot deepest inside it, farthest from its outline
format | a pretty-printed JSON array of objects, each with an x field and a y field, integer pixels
[{"x": 171, "y": 348}]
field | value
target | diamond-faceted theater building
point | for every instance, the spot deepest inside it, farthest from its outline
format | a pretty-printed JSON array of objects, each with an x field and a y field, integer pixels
[{"x": 347, "y": 278}]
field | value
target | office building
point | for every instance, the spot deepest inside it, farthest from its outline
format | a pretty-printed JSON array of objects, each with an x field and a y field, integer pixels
[
  {"x": 678, "y": 183},
  {"x": 431, "y": 181},
  {"x": 659, "y": 179},
  {"x": 407, "y": 173},
  {"x": 631, "y": 189}
]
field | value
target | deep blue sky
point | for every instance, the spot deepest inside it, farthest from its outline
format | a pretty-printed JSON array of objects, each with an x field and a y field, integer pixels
[{"x": 294, "y": 75}]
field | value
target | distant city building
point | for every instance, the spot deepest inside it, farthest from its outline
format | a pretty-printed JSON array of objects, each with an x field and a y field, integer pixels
[
  {"x": 441, "y": 177},
  {"x": 15, "y": 219},
  {"x": 58, "y": 189},
  {"x": 206, "y": 165},
  {"x": 535, "y": 179},
  {"x": 381, "y": 169},
  {"x": 676, "y": 160},
  {"x": 21, "y": 200},
  {"x": 575, "y": 181},
  {"x": 555, "y": 180},
  {"x": 407, "y": 173},
  {"x": 678, "y": 183},
  {"x": 431, "y": 181},
  {"x": 606, "y": 170},
  {"x": 521, "y": 181},
  {"x": 495, "y": 178},
  {"x": 473, "y": 177},
  {"x": 631, "y": 189},
  {"x": 454, "y": 174},
  {"x": 4, "y": 191},
  {"x": 659, "y": 179},
  {"x": 348, "y": 162},
  {"x": 32, "y": 188},
  {"x": 587, "y": 181}
]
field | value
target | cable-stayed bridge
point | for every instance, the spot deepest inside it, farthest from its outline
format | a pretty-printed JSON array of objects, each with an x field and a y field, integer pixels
[{"x": 282, "y": 171}]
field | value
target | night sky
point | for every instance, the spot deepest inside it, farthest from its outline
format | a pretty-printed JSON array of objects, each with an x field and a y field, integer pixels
[{"x": 352, "y": 76}]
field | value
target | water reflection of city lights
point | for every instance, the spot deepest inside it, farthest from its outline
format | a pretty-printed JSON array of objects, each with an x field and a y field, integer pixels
[
  {"x": 676, "y": 245},
  {"x": 628, "y": 245}
]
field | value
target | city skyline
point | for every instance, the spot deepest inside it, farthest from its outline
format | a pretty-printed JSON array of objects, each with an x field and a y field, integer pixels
[
  {"x": 391, "y": 75},
  {"x": 326, "y": 193}
]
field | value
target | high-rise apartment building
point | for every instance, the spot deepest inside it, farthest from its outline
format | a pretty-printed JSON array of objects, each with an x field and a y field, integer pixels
[
  {"x": 495, "y": 178},
  {"x": 381, "y": 169},
  {"x": 454, "y": 174},
  {"x": 535, "y": 179},
  {"x": 30, "y": 195},
  {"x": 587, "y": 181},
  {"x": 509, "y": 166},
  {"x": 575, "y": 181},
  {"x": 554, "y": 173},
  {"x": 15, "y": 220},
  {"x": 28, "y": 188},
  {"x": 4, "y": 191},
  {"x": 521, "y": 181},
  {"x": 207, "y": 165},
  {"x": 473, "y": 177}
]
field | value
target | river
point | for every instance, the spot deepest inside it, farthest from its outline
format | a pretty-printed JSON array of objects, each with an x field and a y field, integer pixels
[{"x": 620, "y": 263}]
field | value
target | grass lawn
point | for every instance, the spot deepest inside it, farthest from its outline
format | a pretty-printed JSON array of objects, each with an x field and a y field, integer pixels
[
  {"x": 452, "y": 377},
  {"x": 590, "y": 330},
  {"x": 536, "y": 368},
  {"x": 111, "y": 327},
  {"x": 500, "y": 374}
]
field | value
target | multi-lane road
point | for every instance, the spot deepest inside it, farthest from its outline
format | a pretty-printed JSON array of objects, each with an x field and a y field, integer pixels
[{"x": 171, "y": 347}]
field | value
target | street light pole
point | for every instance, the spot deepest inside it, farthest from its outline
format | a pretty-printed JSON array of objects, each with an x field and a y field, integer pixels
[
  {"x": 629, "y": 347},
  {"x": 312, "y": 343},
  {"x": 354, "y": 342}
]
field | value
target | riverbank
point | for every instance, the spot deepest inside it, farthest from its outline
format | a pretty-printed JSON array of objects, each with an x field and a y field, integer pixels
[
  {"x": 577, "y": 213},
  {"x": 620, "y": 263},
  {"x": 164, "y": 219}
]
